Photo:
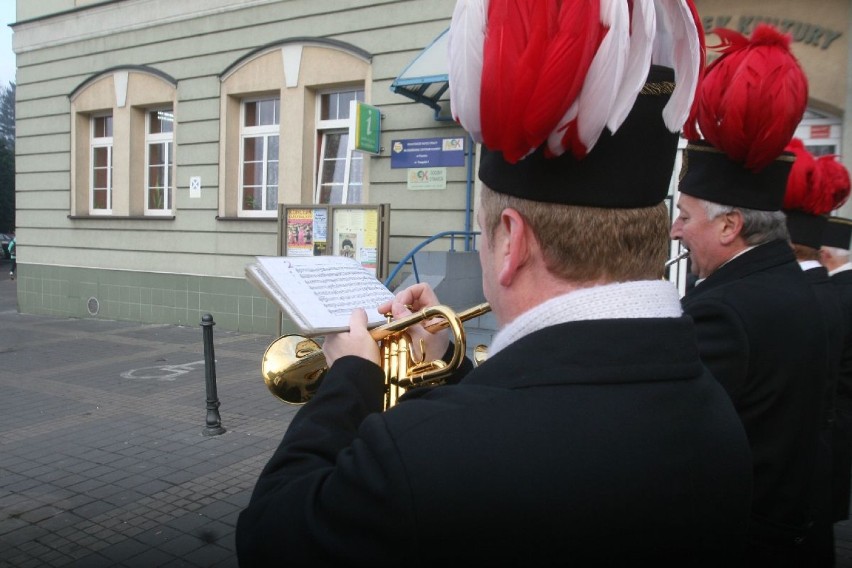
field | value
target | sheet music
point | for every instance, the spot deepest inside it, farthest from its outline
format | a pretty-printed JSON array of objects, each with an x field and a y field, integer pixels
[{"x": 320, "y": 292}]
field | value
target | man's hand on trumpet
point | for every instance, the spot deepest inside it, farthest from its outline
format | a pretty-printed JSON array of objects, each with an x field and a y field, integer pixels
[
  {"x": 357, "y": 341},
  {"x": 413, "y": 299}
]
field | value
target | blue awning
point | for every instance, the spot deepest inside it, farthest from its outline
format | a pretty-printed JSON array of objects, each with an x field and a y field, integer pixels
[{"x": 425, "y": 80}]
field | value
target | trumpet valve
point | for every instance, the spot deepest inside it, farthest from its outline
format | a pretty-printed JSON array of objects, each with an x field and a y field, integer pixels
[{"x": 480, "y": 354}]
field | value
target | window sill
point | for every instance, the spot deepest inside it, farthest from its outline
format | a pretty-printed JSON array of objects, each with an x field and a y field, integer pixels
[
  {"x": 123, "y": 217},
  {"x": 265, "y": 219}
]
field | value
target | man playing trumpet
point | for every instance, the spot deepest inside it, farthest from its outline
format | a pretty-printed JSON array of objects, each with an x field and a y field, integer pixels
[{"x": 592, "y": 434}]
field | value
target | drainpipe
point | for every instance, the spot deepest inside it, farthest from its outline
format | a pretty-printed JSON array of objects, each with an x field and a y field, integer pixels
[{"x": 468, "y": 214}]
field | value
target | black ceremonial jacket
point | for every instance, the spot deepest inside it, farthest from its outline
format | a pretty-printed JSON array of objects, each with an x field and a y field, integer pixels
[
  {"x": 843, "y": 283},
  {"x": 588, "y": 442},
  {"x": 832, "y": 312},
  {"x": 842, "y": 434},
  {"x": 761, "y": 334}
]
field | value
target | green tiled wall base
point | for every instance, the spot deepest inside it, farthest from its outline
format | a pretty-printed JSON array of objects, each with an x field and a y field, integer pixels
[{"x": 144, "y": 297}]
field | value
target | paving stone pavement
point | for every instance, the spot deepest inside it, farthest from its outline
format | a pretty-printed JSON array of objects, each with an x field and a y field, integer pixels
[{"x": 103, "y": 457}]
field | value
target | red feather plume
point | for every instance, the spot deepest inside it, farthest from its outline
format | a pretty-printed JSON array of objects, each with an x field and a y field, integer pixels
[
  {"x": 753, "y": 96},
  {"x": 556, "y": 73},
  {"x": 815, "y": 186},
  {"x": 836, "y": 177},
  {"x": 504, "y": 44},
  {"x": 535, "y": 58},
  {"x": 801, "y": 194},
  {"x": 535, "y": 18},
  {"x": 564, "y": 67}
]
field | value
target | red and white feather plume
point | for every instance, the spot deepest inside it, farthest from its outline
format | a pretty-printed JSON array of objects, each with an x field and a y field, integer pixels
[
  {"x": 816, "y": 186},
  {"x": 527, "y": 72},
  {"x": 752, "y": 97}
]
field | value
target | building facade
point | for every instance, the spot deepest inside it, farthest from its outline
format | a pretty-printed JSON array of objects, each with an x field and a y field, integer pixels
[{"x": 157, "y": 138}]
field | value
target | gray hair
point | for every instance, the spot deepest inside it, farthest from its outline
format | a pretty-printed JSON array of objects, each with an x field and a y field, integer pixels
[{"x": 759, "y": 227}]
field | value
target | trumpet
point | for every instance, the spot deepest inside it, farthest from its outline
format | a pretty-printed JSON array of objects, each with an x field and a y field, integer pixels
[
  {"x": 676, "y": 259},
  {"x": 293, "y": 366}
]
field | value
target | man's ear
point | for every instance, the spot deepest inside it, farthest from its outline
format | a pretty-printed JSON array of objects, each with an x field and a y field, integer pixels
[
  {"x": 732, "y": 226},
  {"x": 518, "y": 239}
]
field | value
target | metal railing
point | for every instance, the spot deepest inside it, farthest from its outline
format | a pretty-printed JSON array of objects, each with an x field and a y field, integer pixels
[{"x": 470, "y": 244}]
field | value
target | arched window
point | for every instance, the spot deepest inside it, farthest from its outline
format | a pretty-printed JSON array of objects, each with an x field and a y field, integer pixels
[
  {"x": 123, "y": 148},
  {"x": 285, "y": 112}
]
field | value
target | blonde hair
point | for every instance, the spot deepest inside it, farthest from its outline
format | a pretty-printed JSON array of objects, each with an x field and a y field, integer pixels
[{"x": 588, "y": 244}]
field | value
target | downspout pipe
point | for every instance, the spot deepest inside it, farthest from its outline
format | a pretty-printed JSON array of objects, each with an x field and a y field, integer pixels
[{"x": 468, "y": 217}]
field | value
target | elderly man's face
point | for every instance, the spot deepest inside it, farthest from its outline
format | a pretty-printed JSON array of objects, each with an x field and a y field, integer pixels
[{"x": 702, "y": 236}]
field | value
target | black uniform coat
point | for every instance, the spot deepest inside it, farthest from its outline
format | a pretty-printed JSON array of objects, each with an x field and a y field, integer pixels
[
  {"x": 822, "y": 535},
  {"x": 590, "y": 442},
  {"x": 761, "y": 334},
  {"x": 832, "y": 313},
  {"x": 842, "y": 435}
]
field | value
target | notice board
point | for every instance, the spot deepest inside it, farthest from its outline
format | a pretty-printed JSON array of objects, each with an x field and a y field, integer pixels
[{"x": 357, "y": 231}]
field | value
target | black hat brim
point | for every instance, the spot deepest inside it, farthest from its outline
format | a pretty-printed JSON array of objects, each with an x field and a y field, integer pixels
[{"x": 708, "y": 173}]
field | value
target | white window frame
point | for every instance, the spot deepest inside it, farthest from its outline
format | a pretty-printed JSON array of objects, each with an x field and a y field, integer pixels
[
  {"x": 324, "y": 127},
  {"x": 100, "y": 142},
  {"x": 166, "y": 139},
  {"x": 265, "y": 131},
  {"x": 820, "y": 146}
]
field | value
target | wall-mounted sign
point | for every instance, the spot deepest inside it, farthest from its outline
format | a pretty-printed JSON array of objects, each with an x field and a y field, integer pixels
[
  {"x": 195, "y": 187},
  {"x": 427, "y": 153},
  {"x": 427, "y": 178},
  {"x": 366, "y": 127},
  {"x": 821, "y": 131},
  {"x": 804, "y": 32}
]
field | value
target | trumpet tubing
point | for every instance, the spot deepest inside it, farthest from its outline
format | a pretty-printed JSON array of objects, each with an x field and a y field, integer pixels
[
  {"x": 293, "y": 366},
  {"x": 676, "y": 259}
]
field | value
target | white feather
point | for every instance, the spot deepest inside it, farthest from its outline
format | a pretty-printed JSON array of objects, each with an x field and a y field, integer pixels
[
  {"x": 639, "y": 60},
  {"x": 678, "y": 46},
  {"x": 554, "y": 139},
  {"x": 465, "y": 46},
  {"x": 597, "y": 96}
]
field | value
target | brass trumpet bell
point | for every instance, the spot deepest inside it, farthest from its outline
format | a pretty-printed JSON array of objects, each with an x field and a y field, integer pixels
[{"x": 293, "y": 366}]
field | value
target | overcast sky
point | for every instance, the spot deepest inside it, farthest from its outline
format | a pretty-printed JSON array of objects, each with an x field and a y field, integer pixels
[{"x": 7, "y": 56}]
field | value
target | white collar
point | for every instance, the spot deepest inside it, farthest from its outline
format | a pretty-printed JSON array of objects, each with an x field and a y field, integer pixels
[
  {"x": 641, "y": 299},
  {"x": 809, "y": 264},
  {"x": 841, "y": 268}
]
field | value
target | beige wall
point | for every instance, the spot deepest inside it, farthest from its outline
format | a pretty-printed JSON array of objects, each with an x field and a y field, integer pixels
[{"x": 820, "y": 38}]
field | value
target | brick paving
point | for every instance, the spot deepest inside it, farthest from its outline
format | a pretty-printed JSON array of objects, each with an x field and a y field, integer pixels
[{"x": 103, "y": 457}]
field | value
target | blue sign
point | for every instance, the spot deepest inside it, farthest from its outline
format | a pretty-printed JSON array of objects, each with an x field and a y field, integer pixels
[{"x": 427, "y": 153}]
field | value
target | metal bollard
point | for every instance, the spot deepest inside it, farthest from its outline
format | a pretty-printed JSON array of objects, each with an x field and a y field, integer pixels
[{"x": 214, "y": 422}]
